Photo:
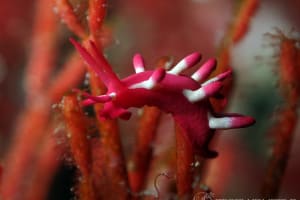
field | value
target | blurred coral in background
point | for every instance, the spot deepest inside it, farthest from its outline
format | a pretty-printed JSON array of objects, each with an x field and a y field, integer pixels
[{"x": 53, "y": 148}]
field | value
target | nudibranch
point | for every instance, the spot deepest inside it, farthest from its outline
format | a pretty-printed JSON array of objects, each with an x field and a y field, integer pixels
[{"x": 185, "y": 97}]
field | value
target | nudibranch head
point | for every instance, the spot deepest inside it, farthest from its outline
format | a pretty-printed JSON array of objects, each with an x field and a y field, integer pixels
[{"x": 185, "y": 97}]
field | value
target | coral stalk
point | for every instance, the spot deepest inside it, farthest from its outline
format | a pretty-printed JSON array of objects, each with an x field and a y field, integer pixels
[
  {"x": 240, "y": 25},
  {"x": 48, "y": 162},
  {"x": 43, "y": 50},
  {"x": 29, "y": 132},
  {"x": 113, "y": 166},
  {"x": 286, "y": 124},
  {"x": 139, "y": 163},
  {"x": 22, "y": 158},
  {"x": 31, "y": 125},
  {"x": 110, "y": 169},
  {"x": 185, "y": 159},
  {"x": 237, "y": 30},
  {"x": 284, "y": 130},
  {"x": 97, "y": 12},
  {"x": 71, "y": 74},
  {"x": 79, "y": 145},
  {"x": 67, "y": 14},
  {"x": 246, "y": 11}
]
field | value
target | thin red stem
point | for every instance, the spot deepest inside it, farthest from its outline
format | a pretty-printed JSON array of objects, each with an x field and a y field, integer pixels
[
  {"x": 77, "y": 134},
  {"x": 140, "y": 161},
  {"x": 113, "y": 166},
  {"x": 284, "y": 129},
  {"x": 48, "y": 162},
  {"x": 67, "y": 14},
  {"x": 185, "y": 160},
  {"x": 29, "y": 134},
  {"x": 43, "y": 50},
  {"x": 71, "y": 74},
  {"x": 97, "y": 12}
]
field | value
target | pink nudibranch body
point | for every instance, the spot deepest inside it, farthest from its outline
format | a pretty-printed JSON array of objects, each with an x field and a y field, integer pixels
[{"x": 186, "y": 98}]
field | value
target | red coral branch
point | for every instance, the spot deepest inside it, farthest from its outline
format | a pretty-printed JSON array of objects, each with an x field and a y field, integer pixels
[
  {"x": 97, "y": 11},
  {"x": 284, "y": 130},
  {"x": 236, "y": 32},
  {"x": 80, "y": 147},
  {"x": 238, "y": 29},
  {"x": 185, "y": 160},
  {"x": 71, "y": 74},
  {"x": 111, "y": 172},
  {"x": 22, "y": 163},
  {"x": 34, "y": 120},
  {"x": 142, "y": 153},
  {"x": 29, "y": 134},
  {"x": 246, "y": 11},
  {"x": 46, "y": 166},
  {"x": 41, "y": 60},
  {"x": 140, "y": 161},
  {"x": 67, "y": 14},
  {"x": 114, "y": 176},
  {"x": 285, "y": 127}
]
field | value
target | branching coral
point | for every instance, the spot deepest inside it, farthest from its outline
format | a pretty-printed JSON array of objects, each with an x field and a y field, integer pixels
[{"x": 186, "y": 98}]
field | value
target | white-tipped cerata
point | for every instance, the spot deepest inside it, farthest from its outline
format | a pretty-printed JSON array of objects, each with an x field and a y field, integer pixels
[
  {"x": 185, "y": 63},
  {"x": 220, "y": 77},
  {"x": 205, "y": 70},
  {"x": 227, "y": 122},
  {"x": 219, "y": 123},
  {"x": 138, "y": 63},
  {"x": 157, "y": 76},
  {"x": 203, "y": 92}
]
